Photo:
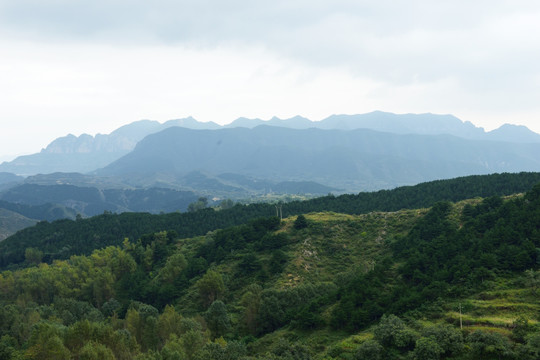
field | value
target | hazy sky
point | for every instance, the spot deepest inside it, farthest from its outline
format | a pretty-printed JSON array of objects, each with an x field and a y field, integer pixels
[{"x": 69, "y": 66}]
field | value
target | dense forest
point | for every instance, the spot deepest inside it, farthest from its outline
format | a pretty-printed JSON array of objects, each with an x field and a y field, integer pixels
[
  {"x": 63, "y": 238},
  {"x": 457, "y": 279}
]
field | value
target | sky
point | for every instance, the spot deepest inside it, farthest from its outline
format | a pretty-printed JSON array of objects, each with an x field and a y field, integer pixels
[{"x": 71, "y": 66}]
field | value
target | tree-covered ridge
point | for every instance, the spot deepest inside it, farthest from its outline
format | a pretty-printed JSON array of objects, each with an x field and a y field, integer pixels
[
  {"x": 49, "y": 211},
  {"x": 320, "y": 286},
  {"x": 222, "y": 284},
  {"x": 61, "y": 239}
]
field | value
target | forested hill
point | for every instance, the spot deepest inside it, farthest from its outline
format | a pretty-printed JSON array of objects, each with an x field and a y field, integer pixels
[
  {"x": 456, "y": 281},
  {"x": 63, "y": 238}
]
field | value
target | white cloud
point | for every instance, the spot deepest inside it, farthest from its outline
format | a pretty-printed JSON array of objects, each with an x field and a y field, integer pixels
[{"x": 80, "y": 66}]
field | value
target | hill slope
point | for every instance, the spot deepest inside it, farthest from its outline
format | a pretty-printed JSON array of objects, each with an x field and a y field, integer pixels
[
  {"x": 61, "y": 239},
  {"x": 11, "y": 222},
  {"x": 318, "y": 286}
]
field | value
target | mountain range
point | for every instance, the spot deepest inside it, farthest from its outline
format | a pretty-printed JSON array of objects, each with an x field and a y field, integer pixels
[
  {"x": 154, "y": 167},
  {"x": 353, "y": 160},
  {"x": 86, "y": 153},
  {"x": 147, "y": 166}
]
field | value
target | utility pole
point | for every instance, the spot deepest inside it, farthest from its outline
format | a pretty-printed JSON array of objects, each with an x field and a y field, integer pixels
[
  {"x": 460, "y": 318},
  {"x": 279, "y": 211}
]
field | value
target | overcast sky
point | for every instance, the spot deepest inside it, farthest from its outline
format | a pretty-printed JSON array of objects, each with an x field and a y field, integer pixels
[{"x": 69, "y": 66}]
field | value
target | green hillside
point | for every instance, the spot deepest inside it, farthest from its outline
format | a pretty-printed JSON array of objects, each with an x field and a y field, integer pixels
[
  {"x": 63, "y": 238},
  {"x": 453, "y": 281}
]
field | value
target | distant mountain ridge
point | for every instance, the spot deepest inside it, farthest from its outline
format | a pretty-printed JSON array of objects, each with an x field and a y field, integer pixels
[
  {"x": 354, "y": 160},
  {"x": 420, "y": 124},
  {"x": 86, "y": 153}
]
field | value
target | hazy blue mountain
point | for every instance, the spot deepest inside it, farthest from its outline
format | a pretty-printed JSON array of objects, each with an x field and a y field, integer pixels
[
  {"x": 513, "y": 133},
  {"x": 8, "y": 180},
  {"x": 352, "y": 160},
  {"x": 85, "y": 153},
  {"x": 297, "y": 122},
  {"x": 191, "y": 123},
  {"x": 420, "y": 124}
]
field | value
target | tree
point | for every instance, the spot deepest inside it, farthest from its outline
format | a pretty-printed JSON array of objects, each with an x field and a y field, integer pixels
[
  {"x": 392, "y": 332},
  {"x": 169, "y": 323},
  {"x": 521, "y": 328},
  {"x": 96, "y": 351},
  {"x": 532, "y": 279},
  {"x": 251, "y": 301},
  {"x": 300, "y": 222},
  {"x": 427, "y": 348},
  {"x": 447, "y": 337},
  {"x": 200, "y": 204},
  {"x": 226, "y": 204},
  {"x": 174, "y": 265},
  {"x": 46, "y": 343},
  {"x": 142, "y": 323},
  {"x": 211, "y": 287},
  {"x": 277, "y": 262},
  {"x": 249, "y": 264},
  {"x": 222, "y": 351},
  {"x": 369, "y": 350},
  {"x": 486, "y": 345},
  {"x": 8, "y": 348},
  {"x": 33, "y": 256},
  {"x": 217, "y": 319}
]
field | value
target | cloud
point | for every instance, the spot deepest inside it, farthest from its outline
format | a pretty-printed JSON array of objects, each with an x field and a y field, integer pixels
[
  {"x": 392, "y": 40},
  {"x": 122, "y": 60}
]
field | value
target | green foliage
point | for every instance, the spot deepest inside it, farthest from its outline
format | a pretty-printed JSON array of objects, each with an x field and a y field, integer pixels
[
  {"x": 369, "y": 350},
  {"x": 393, "y": 332},
  {"x": 46, "y": 343},
  {"x": 427, "y": 348},
  {"x": 96, "y": 351},
  {"x": 520, "y": 328},
  {"x": 210, "y": 287},
  {"x": 200, "y": 204},
  {"x": 216, "y": 351},
  {"x": 33, "y": 256},
  {"x": 162, "y": 297},
  {"x": 62, "y": 238},
  {"x": 217, "y": 319},
  {"x": 300, "y": 222},
  {"x": 489, "y": 346},
  {"x": 8, "y": 348},
  {"x": 287, "y": 351},
  {"x": 448, "y": 338}
]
